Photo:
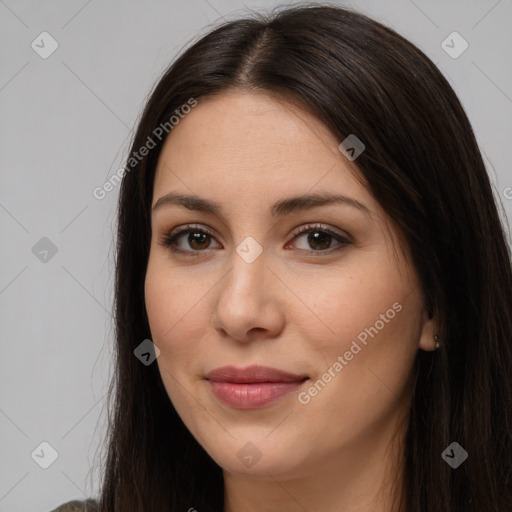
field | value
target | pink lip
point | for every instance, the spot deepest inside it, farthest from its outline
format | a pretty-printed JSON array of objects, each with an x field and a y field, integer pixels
[{"x": 252, "y": 387}]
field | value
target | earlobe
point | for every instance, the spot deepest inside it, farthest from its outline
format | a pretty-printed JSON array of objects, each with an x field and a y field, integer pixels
[{"x": 429, "y": 339}]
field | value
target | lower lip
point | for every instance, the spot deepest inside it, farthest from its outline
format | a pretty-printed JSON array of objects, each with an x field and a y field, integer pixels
[{"x": 252, "y": 396}]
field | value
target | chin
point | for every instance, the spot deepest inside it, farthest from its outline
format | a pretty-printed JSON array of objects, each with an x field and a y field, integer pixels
[{"x": 256, "y": 455}]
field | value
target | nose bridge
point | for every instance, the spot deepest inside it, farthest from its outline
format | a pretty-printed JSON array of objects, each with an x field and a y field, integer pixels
[
  {"x": 245, "y": 301},
  {"x": 248, "y": 269}
]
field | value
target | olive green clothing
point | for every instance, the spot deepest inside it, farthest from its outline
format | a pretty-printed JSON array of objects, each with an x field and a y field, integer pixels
[{"x": 77, "y": 506}]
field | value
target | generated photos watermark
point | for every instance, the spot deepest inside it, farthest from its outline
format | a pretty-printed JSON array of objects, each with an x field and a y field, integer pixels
[
  {"x": 159, "y": 132},
  {"x": 341, "y": 361}
]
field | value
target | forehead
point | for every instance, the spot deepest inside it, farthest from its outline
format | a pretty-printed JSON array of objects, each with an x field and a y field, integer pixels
[{"x": 252, "y": 138}]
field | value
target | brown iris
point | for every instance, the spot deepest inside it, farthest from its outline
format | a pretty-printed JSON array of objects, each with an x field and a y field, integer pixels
[{"x": 319, "y": 237}]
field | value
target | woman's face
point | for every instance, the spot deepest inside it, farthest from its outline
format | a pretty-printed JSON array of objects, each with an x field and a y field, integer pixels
[{"x": 336, "y": 306}]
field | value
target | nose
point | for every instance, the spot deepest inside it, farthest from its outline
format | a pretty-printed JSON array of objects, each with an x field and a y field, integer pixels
[{"x": 249, "y": 304}]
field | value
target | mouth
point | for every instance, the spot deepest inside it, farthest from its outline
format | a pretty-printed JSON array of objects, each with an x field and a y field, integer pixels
[{"x": 253, "y": 387}]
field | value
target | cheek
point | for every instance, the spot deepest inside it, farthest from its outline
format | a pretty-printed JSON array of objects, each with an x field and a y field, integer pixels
[
  {"x": 177, "y": 315},
  {"x": 347, "y": 305},
  {"x": 371, "y": 320},
  {"x": 172, "y": 310},
  {"x": 362, "y": 389},
  {"x": 157, "y": 296},
  {"x": 167, "y": 298},
  {"x": 165, "y": 312}
]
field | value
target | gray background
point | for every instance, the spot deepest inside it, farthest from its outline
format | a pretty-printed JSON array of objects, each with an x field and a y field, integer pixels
[{"x": 66, "y": 124}]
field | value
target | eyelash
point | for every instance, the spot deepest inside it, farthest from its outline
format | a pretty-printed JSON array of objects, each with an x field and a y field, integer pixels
[{"x": 169, "y": 238}]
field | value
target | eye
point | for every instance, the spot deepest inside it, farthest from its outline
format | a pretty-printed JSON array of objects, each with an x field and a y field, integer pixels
[
  {"x": 198, "y": 239},
  {"x": 320, "y": 238}
]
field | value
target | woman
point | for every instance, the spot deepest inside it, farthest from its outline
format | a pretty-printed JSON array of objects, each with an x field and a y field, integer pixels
[{"x": 313, "y": 304}]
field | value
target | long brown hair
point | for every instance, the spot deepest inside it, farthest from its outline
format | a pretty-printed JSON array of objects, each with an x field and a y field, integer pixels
[{"x": 423, "y": 165}]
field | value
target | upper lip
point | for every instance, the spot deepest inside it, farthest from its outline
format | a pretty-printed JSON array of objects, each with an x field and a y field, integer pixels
[{"x": 252, "y": 374}]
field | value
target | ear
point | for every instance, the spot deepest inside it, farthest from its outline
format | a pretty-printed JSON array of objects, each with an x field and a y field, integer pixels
[{"x": 428, "y": 331}]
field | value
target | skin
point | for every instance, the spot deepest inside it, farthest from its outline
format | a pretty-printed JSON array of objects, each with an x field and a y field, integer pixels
[{"x": 291, "y": 308}]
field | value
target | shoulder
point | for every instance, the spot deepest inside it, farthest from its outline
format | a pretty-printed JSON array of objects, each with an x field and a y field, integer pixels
[{"x": 77, "y": 506}]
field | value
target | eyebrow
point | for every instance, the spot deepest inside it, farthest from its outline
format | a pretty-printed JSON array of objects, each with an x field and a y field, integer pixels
[{"x": 279, "y": 208}]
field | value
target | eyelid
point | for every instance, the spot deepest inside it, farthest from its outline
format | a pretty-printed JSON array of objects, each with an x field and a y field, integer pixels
[
  {"x": 321, "y": 227},
  {"x": 191, "y": 227}
]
